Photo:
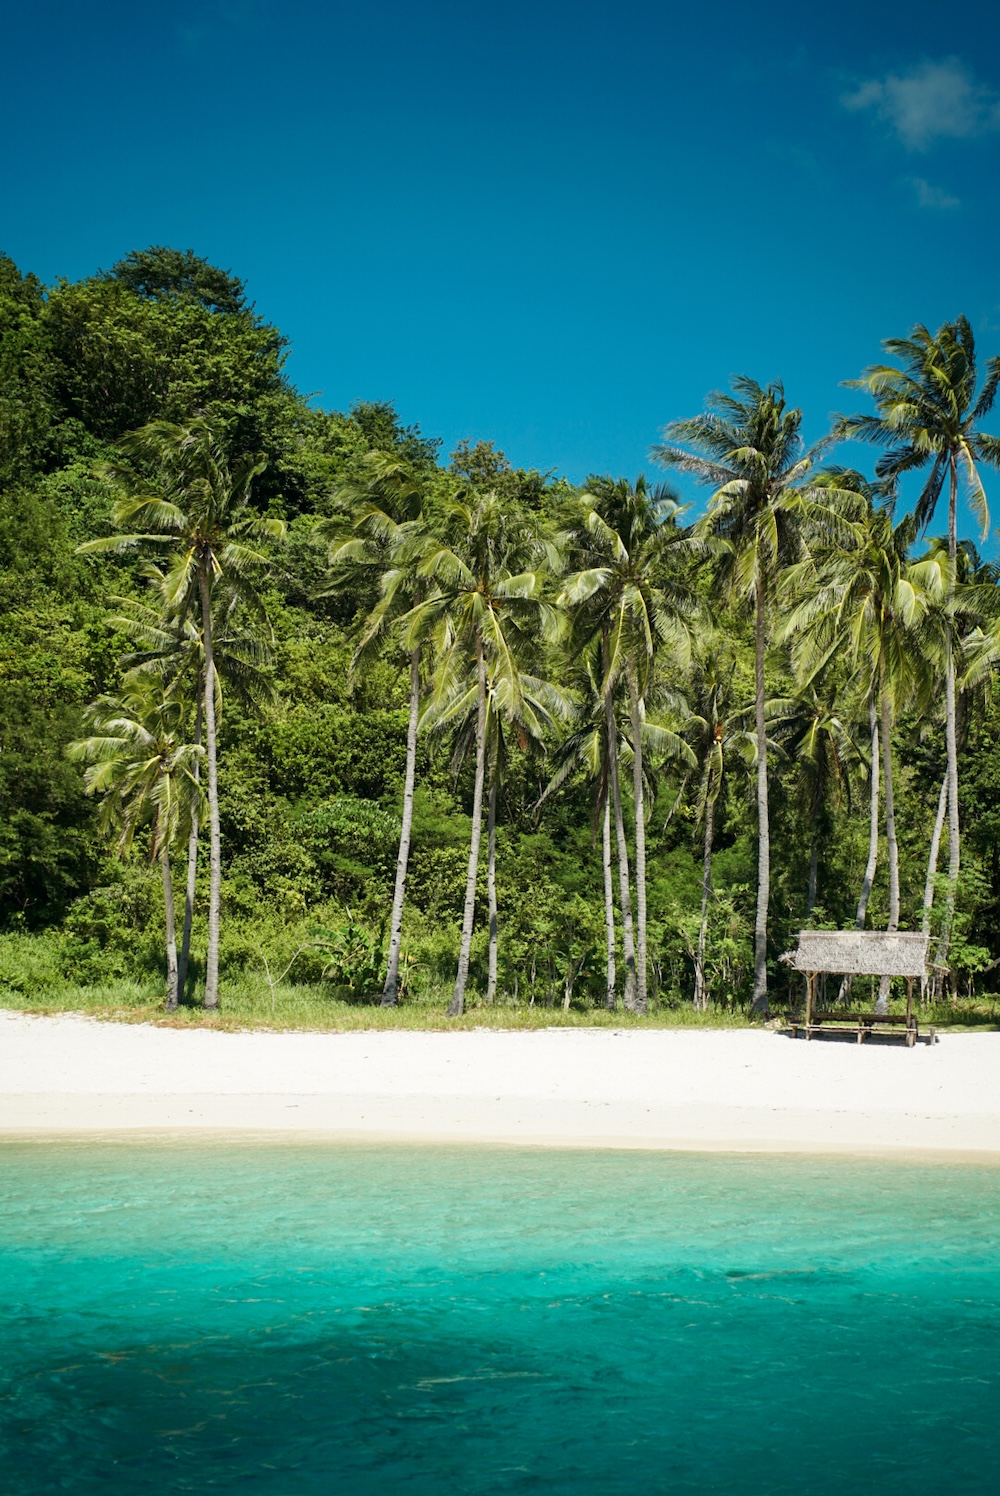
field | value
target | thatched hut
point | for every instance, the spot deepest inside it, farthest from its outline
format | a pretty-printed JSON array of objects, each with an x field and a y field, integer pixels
[{"x": 858, "y": 953}]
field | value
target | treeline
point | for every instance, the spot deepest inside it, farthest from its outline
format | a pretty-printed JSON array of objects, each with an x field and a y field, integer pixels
[{"x": 286, "y": 692}]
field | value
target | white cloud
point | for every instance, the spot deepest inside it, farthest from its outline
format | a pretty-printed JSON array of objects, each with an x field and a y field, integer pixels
[
  {"x": 929, "y": 196},
  {"x": 933, "y": 101}
]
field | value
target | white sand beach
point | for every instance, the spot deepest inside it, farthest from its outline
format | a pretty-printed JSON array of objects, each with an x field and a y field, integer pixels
[{"x": 690, "y": 1089}]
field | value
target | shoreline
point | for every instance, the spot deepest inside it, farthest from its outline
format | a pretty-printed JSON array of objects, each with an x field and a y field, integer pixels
[
  {"x": 200, "y": 1137},
  {"x": 720, "y": 1091}
]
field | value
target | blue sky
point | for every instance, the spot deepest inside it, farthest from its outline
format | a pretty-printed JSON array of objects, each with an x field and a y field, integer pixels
[{"x": 553, "y": 225}]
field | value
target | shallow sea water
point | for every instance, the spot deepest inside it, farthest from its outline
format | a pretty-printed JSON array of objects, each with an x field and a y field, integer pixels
[{"x": 300, "y": 1318}]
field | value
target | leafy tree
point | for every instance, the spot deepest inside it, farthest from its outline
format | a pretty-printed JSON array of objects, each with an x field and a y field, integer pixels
[
  {"x": 160, "y": 274},
  {"x": 383, "y": 431},
  {"x": 26, "y": 397},
  {"x": 127, "y": 349},
  {"x": 482, "y": 466}
]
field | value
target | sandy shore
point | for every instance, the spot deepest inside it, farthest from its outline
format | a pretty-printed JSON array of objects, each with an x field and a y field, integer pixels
[{"x": 733, "y": 1090}]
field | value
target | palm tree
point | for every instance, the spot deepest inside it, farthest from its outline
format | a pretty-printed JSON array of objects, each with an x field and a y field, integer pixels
[
  {"x": 873, "y": 603},
  {"x": 632, "y": 590},
  {"x": 201, "y": 506},
  {"x": 138, "y": 762},
  {"x": 928, "y": 413},
  {"x": 818, "y": 728},
  {"x": 586, "y": 748},
  {"x": 748, "y": 446},
  {"x": 527, "y": 708},
  {"x": 485, "y": 612},
  {"x": 839, "y": 479},
  {"x": 972, "y": 612},
  {"x": 385, "y": 514},
  {"x": 172, "y": 649},
  {"x": 714, "y": 731}
]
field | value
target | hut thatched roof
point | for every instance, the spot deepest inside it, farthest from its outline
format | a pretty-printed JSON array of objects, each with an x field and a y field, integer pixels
[{"x": 863, "y": 953}]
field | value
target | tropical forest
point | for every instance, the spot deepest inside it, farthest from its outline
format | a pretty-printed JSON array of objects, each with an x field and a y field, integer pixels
[{"x": 307, "y": 722}]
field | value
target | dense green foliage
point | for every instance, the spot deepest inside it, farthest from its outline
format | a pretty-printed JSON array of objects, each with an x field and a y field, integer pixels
[{"x": 310, "y": 770}]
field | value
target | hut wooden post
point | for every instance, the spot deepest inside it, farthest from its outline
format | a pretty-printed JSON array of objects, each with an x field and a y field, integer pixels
[{"x": 810, "y": 989}]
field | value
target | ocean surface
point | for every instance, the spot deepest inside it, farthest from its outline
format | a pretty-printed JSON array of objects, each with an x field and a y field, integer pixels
[{"x": 300, "y": 1318}]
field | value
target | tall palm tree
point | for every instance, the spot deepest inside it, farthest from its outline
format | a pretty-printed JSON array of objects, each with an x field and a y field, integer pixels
[
  {"x": 818, "y": 729},
  {"x": 199, "y": 504},
  {"x": 972, "y": 613},
  {"x": 802, "y": 581},
  {"x": 381, "y": 531},
  {"x": 632, "y": 589},
  {"x": 873, "y": 603},
  {"x": 172, "y": 649},
  {"x": 139, "y": 763},
  {"x": 748, "y": 447},
  {"x": 928, "y": 414},
  {"x": 586, "y": 749},
  {"x": 485, "y": 611},
  {"x": 528, "y": 709},
  {"x": 714, "y": 730}
]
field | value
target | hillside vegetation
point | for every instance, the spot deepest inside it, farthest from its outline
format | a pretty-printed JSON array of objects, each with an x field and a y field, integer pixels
[{"x": 568, "y": 655}]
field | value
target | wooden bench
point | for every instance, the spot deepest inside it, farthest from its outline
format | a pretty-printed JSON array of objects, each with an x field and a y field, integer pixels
[{"x": 836, "y": 1020}]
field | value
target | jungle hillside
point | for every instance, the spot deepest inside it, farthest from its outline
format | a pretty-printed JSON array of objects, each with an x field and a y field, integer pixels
[{"x": 307, "y": 722}]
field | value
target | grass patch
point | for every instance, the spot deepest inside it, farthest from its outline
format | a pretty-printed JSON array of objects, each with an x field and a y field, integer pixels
[{"x": 246, "y": 1002}]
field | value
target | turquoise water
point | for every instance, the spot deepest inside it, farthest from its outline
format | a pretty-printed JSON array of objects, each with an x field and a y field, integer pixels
[{"x": 290, "y": 1319}]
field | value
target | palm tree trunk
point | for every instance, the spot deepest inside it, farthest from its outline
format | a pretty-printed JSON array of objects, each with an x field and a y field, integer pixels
[
  {"x": 763, "y": 825},
  {"x": 192, "y": 867},
  {"x": 932, "y": 862},
  {"x": 628, "y": 942},
  {"x": 609, "y": 903},
  {"x": 813, "y": 878},
  {"x": 568, "y": 981},
  {"x": 215, "y": 846},
  {"x": 491, "y": 887},
  {"x": 390, "y": 988},
  {"x": 873, "y": 818},
  {"x": 168, "y": 907},
  {"x": 882, "y": 1005},
  {"x": 932, "y": 859},
  {"x": 813, "y": 872},
  {"x": 951, "y": 738},
  {"x": 457, "y": 1004},
  {"x": 700, "y": 988},
  {"x": 642, "y": 1000}
]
